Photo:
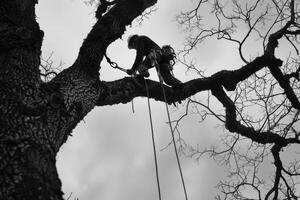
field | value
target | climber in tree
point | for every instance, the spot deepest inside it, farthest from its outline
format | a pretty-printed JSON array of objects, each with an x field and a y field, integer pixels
[{"x": 148, "y": 55}]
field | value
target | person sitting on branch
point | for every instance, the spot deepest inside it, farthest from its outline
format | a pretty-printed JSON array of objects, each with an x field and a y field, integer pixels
[{"x": 148, "y": 55}]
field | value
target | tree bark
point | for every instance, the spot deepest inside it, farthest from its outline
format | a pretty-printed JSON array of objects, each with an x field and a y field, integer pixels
[{"x": 36, "y": 118}]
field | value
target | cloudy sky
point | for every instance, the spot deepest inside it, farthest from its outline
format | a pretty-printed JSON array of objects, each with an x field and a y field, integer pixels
[{"x": 110, "y": 155}]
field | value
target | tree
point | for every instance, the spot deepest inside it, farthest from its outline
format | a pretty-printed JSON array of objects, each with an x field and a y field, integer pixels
[
  {"x": 38, "y": 117},
  {"x": 262, "y": 111}
]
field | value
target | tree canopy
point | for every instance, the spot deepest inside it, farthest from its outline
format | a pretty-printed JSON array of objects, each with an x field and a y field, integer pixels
[{"x": 260, "y": 98}]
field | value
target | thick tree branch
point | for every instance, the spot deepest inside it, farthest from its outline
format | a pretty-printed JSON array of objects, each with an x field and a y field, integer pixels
[
  {"x": 235, "y": 126},
  {"x": 78, "y": 86},
  {"x": 38, "y": 118},
  {"x": 107, "y": 29},
  {"x": 124, "y": 90},
  {"x": 276, "y": 72},
  {"x": 285, "y": 84},
  {"x": 274, "y": 37}
]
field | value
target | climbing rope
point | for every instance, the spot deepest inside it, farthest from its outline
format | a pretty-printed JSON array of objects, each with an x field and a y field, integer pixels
[
  {"x": 113, "y": 64},
  {"x": 132, "y": 106},
  {"x": 116, "y": 66},
  {"x": 154, "y": 62},
  {"x": 153, "y": 142}
]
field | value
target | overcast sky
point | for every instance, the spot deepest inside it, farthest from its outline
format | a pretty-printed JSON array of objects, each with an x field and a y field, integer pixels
[{"x": 110, "y": 154}]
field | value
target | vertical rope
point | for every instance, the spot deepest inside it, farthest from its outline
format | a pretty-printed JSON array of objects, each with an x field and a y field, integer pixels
[
  {"x": 171, "y": 129},
  {"x": 153, "y": 142},
  {"x": 132, "y": 106}
]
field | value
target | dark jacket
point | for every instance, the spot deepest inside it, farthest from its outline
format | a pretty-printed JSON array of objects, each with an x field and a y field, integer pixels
[{"x": 144, "y": 46}]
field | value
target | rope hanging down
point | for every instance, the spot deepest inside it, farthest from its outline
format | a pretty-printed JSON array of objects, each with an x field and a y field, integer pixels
[
  {"x": 115, "y": 65},
  {"x": 153, "y": 142},
  {"x": 154, "y": 63}
]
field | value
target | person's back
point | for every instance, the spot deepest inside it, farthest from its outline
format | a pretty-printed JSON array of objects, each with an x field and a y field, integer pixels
[{"x": 145, "y": 47}]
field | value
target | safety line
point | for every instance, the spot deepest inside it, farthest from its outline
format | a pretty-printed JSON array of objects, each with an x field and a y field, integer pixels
[
  {"x": 153, "y": 142},
  {"x": 171, "y": 129},
  {"x": 132, "y": 106},
  {"x": 115, "y": 65}
]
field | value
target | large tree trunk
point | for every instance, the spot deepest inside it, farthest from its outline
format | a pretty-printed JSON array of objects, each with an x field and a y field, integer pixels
[
  {"x": 36, "y": 118},
  {"x": 27, "y": 151}
]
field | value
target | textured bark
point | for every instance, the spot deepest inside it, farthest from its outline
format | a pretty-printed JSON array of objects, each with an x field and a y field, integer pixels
[
  {"x": 36, "y": 118},
  {"x": 27, "y": 156},
  {"x": 124, "y": 90}
]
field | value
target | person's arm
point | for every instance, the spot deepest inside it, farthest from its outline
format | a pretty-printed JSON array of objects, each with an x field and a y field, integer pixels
[
  {"x": 138, "y": 60},
  {"x": 140, "y": 53}
]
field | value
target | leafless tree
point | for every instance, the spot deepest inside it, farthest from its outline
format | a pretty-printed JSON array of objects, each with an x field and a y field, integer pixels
[
  {"x": 261, "y": 103},
  {"x": 37, "y": 117}
]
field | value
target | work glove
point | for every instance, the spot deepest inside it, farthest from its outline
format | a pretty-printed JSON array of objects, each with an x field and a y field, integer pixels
[{"x": 130, "y": 72}]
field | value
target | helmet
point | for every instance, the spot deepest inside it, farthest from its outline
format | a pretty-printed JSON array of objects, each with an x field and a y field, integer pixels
[{"x": 131, "y": 39}]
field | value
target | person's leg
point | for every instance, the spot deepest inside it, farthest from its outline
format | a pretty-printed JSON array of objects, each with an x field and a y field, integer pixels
[
  {"x": 168, "y": 77},
  {"x": 143, "y": 68}
]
